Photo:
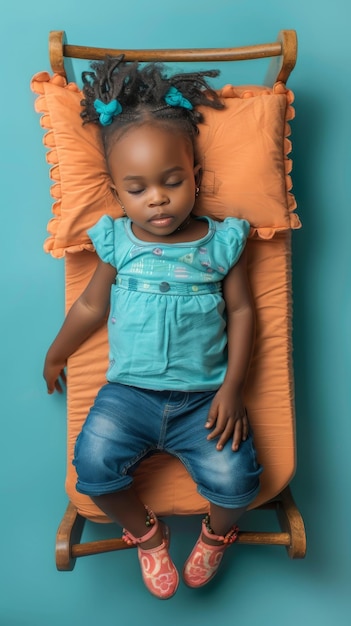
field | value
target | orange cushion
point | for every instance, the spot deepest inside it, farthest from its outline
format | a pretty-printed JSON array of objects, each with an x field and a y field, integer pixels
[
  {"x": 243, "y": 150},
  {"x": 162, "y": 481}
]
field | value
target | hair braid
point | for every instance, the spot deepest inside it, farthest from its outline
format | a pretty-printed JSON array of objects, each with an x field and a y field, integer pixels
[{"x": 141, "y": 90}]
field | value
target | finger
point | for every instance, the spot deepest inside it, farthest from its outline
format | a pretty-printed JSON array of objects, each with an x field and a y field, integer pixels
[
  {"x": 58, "y": 387},
  {"x": 211, "y": 418},
  {"x": 223, "y": 424},
  {"x": 225, "y": 436},
  {"x": 237, "y": 436},
  {"x": 246, "y": 427},
  {"x": 61, "y": 382},
  {"x": 50, "y": 385},
  {"x": 218, "y": 429}
]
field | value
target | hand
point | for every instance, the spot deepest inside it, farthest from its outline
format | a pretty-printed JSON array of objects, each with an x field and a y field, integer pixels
[
  {"x": 228, "y": 418},
  {"x": 55, "y": 376}
]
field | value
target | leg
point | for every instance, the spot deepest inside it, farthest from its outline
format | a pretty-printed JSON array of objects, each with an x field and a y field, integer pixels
[
  {"x": 111, "y": 442},
  {"x": 125, "y": 508},
  {"x": 231, "y": 485},
  {"x": 110, "y": 445},
  {"x": 229, "y": 481},
  {"x": 222, "y": 520},
  {"x": 142, "y": 529}
]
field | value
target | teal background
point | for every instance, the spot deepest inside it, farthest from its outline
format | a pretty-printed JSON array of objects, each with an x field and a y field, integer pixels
[{"x": 258, "y": 585}]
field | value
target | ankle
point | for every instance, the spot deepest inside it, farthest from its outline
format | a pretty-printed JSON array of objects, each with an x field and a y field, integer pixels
[
  {"x": 148, "y": 539},
  {"x": 209, "y": 541},
  {"x": 154, "y": 541},
  {"x": 210, "y": 537}
]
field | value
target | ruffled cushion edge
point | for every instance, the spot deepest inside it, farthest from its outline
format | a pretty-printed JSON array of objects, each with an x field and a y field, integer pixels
[
  {"x": 230, "y": 91},
  {"x": 37, "y": 85}
]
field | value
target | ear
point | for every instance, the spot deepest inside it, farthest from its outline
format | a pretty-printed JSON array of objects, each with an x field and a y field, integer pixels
[
  {"x": 115, "y": 194},
  {"x": 197, "y": 174}
]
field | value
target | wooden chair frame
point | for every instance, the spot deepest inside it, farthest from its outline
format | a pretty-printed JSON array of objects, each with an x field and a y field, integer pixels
[
  {"x": 283, "y": 55},
  {"x": 292, "y": 535}
]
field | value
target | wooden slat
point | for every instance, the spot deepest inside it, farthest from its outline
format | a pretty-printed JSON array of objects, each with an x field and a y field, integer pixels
[
  {"x": 284, "y": 49},
  {"x": 110, "y": 545}
]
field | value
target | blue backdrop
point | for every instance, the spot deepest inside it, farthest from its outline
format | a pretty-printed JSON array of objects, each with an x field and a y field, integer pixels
[{"x": 259, "y": 585}]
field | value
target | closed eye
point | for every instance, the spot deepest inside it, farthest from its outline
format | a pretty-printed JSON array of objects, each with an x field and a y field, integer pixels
[
  {"x": 135, "y": 192},
  {"x": 175, "y": 184}
]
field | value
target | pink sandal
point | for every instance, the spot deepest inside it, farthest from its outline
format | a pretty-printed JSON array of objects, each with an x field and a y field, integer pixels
[
  {"x": 204, "y": 560},
  {"x": 157, "y": 568}
]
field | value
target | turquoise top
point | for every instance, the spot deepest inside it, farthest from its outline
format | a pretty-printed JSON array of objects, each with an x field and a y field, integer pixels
[{"x": 167, "y": 319}]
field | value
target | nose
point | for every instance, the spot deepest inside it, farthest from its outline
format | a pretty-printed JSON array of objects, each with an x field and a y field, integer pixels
[{"x": 157, "y": 196}]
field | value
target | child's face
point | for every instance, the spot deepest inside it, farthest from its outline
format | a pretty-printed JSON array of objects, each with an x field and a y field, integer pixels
[{"x": 153, "y": 171}]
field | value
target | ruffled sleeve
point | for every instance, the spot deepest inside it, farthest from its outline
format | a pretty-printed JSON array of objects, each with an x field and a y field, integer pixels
[
  {"x": 231, "y": 237},
  {"x": 102, "y": 236}
]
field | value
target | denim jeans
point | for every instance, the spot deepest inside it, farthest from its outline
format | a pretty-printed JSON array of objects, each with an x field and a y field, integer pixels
[{"x": 127, "y": 424}]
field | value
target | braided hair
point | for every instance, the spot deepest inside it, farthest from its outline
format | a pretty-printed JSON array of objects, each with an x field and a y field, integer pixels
[{"x": 140, "y": 92}]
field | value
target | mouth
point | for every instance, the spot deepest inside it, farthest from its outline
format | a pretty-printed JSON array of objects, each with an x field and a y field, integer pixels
[{"x": 161, "y": 220}]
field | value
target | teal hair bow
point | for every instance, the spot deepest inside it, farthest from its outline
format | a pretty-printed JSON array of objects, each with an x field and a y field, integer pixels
[
  {"x": 174, "y": 98},
  {"x": 107, "y": 111}
]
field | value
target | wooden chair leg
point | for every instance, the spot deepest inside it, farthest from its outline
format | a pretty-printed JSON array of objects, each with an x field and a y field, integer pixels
[
  {"x": 292, "y": 534},
  {"x": 69, "y": 533},
  {"x": 68, "y": 546},
  {"x": 291, "y": 522}
]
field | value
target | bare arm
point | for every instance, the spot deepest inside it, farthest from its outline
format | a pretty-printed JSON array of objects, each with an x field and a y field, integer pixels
[
  {"x": 85, "y": 316},
  {"x": 240, "y": 324},
  {"x": 228, "y": 413}
]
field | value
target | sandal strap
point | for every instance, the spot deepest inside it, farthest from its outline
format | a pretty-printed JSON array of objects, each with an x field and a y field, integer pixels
[
  {"x": 229, "y": 538},
  {"x": 151, "y": 520}
]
